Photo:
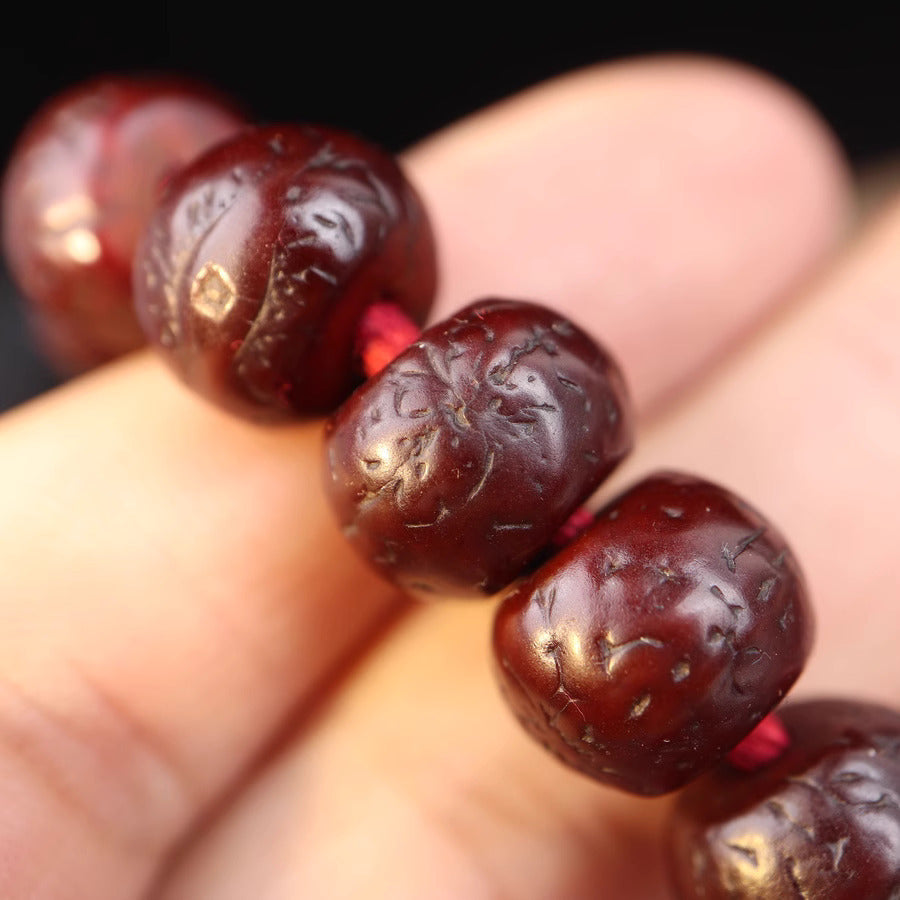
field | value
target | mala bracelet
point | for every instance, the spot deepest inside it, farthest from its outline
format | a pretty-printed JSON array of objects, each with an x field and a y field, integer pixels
[{"x": 644, "y": 645}]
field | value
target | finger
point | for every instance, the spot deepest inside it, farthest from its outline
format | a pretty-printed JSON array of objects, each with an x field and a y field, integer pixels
[
  {"x": 667, "y": 204},
  {"x": 166, "y": 596},
  {"x": 418, "y": 783},
  {"x": 415, "y": 769}
]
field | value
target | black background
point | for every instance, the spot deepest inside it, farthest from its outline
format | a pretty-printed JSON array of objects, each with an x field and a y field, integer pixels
[{"x": 396, "y": 77}]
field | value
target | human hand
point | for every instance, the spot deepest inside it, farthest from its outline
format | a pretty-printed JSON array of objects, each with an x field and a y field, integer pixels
[{"x": 203, "y": 694}]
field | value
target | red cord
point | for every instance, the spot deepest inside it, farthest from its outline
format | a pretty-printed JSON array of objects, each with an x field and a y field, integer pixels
[
  {"x": 384, "y": 332},
  {"x": 763, "y": 745}
]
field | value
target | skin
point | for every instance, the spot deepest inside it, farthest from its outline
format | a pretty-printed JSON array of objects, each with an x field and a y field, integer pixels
[{"x": 204, "y": 695}]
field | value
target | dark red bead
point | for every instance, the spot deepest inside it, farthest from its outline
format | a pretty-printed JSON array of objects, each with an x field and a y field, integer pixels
[
  {"x": 262, "y": 258},
  {"x": 80, "y": 187},
  {"x": 822, "y": 822},
  {"x": 653, "y": 643},
  {"x": 454, "y": 466}
]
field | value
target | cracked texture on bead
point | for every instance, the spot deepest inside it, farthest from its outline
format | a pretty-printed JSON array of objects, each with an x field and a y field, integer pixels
[
  {"x": 454, "y": 466},
  {"x": 821, "y": 822},
  {"x": 652, "y": 644},
  {"x": 264, "y": 255}
]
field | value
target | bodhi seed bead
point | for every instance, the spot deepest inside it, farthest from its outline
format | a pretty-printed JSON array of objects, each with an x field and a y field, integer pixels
[
  {"x": 452, "y": 468},
  {"x": 264, "y": 255},
  {"x": 653, "y": 643}
]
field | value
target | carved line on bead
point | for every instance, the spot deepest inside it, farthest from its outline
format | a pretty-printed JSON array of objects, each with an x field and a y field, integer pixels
[
  {"x": 380, "y": 197},
  {"x": 501, "y": 373},
  {"x": 415, "y": 446},
  {"x": 442, "y": 513},
  {"x": 766, "y": 589},
  {"x": 459, "y": 325},
  {"x": 610, "y": 652},
  {"x": 778, "y": 809},
  {"x": 719, "y": 594},
  {"x": 747, "y": 852},
  {"x": 640, "y": 705},
  {"x": 731, "y": 556},
  {"x": 790, "y": 865},
  {"x": 829, "y": 790},
  {"x": 785, "y": 619},
  {"x": 836, "y": 849},
  {"x": 551, "y": 648},
  {"x": 488, "y": 468}
]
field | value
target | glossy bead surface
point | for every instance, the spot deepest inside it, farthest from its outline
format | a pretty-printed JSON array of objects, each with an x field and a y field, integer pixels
[
  {"x": 652, "y": 644},
  {"x": 453, "y": 467},
  {"x": 263, "y": 256},
  {"x": 822, "y": 822},
  {"x": 78, "y": 192}
]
